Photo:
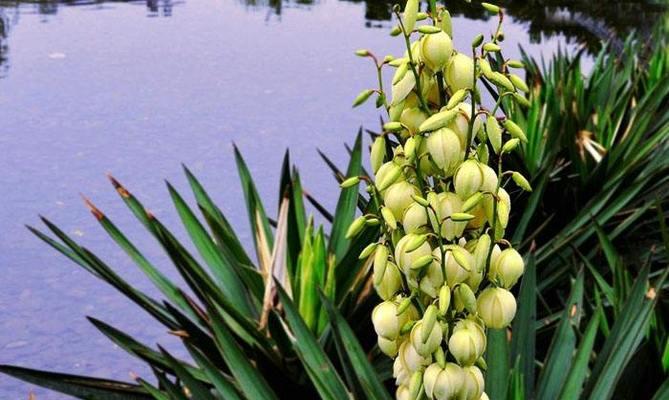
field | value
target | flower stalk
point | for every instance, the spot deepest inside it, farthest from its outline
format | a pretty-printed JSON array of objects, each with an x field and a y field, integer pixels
[{"x": 442, "y": 265}]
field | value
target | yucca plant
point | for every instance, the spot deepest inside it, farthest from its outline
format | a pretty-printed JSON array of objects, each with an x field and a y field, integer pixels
[
  {"x": 600, "y": 342},
  {"x": 270, "y": 328},
  {"x": 294, "y": 320},
  {"x": 597, "y": 155},
  {"x": 597, "y": 151}
]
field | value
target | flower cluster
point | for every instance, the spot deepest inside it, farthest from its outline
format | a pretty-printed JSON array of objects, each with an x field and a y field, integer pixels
[{"x": 441, "y": 265}]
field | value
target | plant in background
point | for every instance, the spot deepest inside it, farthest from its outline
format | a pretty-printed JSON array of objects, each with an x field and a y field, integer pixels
[
  {"x": 442, "y": 265},
  {"x": 597, "y": 155},
  {"x": 273, "y": 328}
]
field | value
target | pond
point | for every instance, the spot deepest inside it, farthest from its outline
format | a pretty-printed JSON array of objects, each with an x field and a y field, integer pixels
[{"x": 136, "y": 88}]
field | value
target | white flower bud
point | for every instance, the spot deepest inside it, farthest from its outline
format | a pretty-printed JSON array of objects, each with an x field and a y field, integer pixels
[
  {"x": 398, "y": 197},
  {"x": 436, "y": 50},
  {"x": 460, "y": 124},
  {"x": 474, "y": 384},
  {"x": 410, "y": 359},
  {"x": 389, "y": 283},
  {"x": 504, "y": 207},
  {"x": 403, "y": 393},
  {"x": 430, "y": 378},
  {"x": 443, "y": 383},
  {"x": 468, "y": 179},
  {"x": 388, "y": 347},
  {"x": 461, "y": 255},
  {"x": 444, "y": 147},
  {"x": 448, "y": 204},
  {"x": 460, "y": 72},
  {"x": 425, "y": 163},
  {"x": 508, "y": 267},
  {"x": 476, "y": 330},
  {"x": 433, "y": 279},
  {"x": 415, "y": 219},
  {"x": 427, "y": 347},
  {"x": 388, "y": 174},
  {"x": 497, "y": 307},
  {"x": 386, "y": 321},
  {"x": 464, "y": 347},
  {"x": 412, "y": 118},
  {"x": 406, "y": 259},
  {"x": 400, "y": 373},
  {"x": 455, "y": 273}
]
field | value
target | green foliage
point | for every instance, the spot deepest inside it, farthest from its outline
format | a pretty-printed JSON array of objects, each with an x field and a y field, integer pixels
[
  {"x": 253, "y": 329},
  {"x": 294, "y": 320},
  {"x": 597, "y": 151},
  {"x": 598, "y": 157}
]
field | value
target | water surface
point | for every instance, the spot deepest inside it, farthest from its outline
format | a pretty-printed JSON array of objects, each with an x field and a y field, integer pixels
[{"x": 136, "y": 88}]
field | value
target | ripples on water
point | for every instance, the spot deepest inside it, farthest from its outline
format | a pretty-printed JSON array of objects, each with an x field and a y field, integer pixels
[{"x": 91, "y": 87}]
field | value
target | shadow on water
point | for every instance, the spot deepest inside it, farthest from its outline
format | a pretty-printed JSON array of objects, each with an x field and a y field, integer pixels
[
  {"x": 586, "y": 22},
  {"x": 5, "y": 23}
]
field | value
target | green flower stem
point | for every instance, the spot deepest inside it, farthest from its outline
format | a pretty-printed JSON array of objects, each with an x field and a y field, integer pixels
[
  {"x": 472, "y": 115},
  {"x": 416, "y": 301},
  {"x": 439, "y": 238},
  {"x": 499, "y": 25},
  {"x": 379, "y": 75},
  {"x": 498, "y": 103},
  {"x": 407, "y": 42},
  {"x": 494, "y": 214},
  {"x": 442, "y": 91}
]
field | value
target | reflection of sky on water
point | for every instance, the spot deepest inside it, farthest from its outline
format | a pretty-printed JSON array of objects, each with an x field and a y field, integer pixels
[
  {"x": 579, "y": 21},
  {"x": 101, "y": 87}
]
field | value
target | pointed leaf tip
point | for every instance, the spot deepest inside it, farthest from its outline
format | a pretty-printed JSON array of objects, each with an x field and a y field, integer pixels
[{"x": 91, "y": 207}]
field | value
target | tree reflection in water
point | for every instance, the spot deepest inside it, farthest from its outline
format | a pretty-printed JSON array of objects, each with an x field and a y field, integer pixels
[
  {"x": 10, "y": 12},
  {"x": 587, "y": 22}
]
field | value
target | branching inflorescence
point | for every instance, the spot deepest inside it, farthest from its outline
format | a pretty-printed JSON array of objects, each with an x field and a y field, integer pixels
[{"x": 442, "y": 265}]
